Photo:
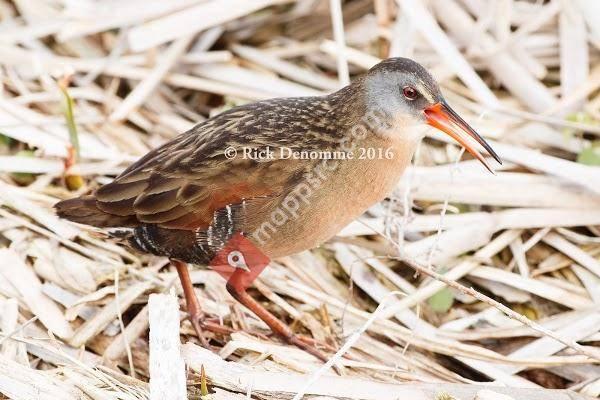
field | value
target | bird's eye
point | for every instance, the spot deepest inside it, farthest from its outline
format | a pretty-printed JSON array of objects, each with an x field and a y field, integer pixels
[{"x": 409, "y": 92}]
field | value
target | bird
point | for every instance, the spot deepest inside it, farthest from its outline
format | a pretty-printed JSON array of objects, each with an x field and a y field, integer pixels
[{"x": 284, "y": 174}]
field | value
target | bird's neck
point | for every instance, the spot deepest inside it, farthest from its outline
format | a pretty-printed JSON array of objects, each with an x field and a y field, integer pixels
[{"x": 348, "y": 104}]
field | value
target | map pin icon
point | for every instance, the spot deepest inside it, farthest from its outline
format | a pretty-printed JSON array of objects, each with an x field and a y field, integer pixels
[{"x": 236, "y": 260}]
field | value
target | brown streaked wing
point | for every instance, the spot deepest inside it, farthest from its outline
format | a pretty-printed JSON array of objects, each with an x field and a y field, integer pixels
[
  {"x": 190, "y": 202},
  {"x": 181, "y": 184}
]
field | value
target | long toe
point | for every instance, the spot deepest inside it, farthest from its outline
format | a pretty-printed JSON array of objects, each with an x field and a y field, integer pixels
[
  {"x": 300, "y": 343},
  {"x": 213, "y": 326},
  {"x": 197, "y": 320},
  {"x": 317, "y": 343}
]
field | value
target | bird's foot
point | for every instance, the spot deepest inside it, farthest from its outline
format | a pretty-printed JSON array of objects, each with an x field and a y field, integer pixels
[
  {"x": 198, "y": 322},
  {"x": 201, "y": 324},
  {"x": 309, "y": 345},
  {"x": 317, "y": 343},
  {"x": 237, "y": 289}
]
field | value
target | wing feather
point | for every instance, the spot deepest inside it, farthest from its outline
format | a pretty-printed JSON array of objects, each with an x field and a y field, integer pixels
[{"x": 181, "y": 184}]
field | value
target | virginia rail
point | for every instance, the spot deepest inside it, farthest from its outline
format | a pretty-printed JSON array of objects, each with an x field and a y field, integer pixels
[{"x": 185, "y": 199}]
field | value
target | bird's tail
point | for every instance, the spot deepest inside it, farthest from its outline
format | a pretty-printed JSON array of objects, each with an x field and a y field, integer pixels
[{"x": 84, "y": 210}]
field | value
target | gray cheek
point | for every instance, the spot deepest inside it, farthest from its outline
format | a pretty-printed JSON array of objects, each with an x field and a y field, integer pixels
[
  {"x": 384, "y": 97},
  {"x": 382, "y": 92}
]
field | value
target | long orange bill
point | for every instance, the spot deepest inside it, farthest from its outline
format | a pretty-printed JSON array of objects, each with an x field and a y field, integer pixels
[{"x": 442, "y": 117}]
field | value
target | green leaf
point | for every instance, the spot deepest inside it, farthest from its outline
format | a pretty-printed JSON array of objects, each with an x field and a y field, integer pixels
[
  {"x": 203, "y": 384},
  {"x": 590, "y": 155},
  {"x": 580, "y": 117},
  {"x": 25, "y": 153},
  {"x": 5, "y": 140},
  {"x": 442, "y": 301},
  {"x": 70, "y": 118}
]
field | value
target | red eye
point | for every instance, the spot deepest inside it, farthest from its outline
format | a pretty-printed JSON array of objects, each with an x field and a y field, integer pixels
[{"x": 409, "y": 92}]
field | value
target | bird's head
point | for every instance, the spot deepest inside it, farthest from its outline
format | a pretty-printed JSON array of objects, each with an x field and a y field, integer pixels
[{"x": 407, "y": 94}]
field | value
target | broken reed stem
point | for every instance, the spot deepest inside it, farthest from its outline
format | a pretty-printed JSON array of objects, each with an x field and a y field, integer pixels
[
  {"x": 122, "y": 325},
  {"x": 504, "y": 309}
]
